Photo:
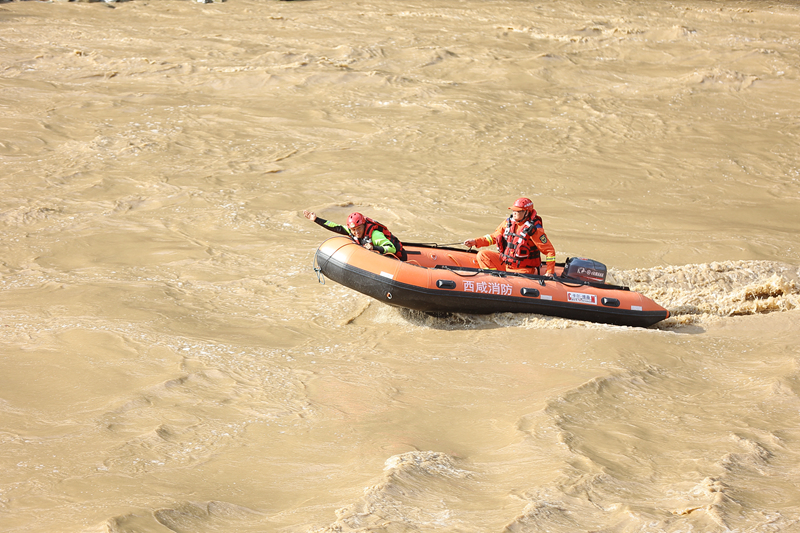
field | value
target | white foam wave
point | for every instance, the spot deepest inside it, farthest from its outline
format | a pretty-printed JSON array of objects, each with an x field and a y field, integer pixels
[
  {"x": 698, "y": 292},
  {"x": 414, "y": 494}
]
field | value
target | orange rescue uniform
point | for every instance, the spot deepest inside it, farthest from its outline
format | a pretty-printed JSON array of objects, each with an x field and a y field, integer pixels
[{"x": 519, "y": 250}]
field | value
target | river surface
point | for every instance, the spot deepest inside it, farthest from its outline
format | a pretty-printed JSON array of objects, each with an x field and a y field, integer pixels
[{"x": 170, "y": 361}]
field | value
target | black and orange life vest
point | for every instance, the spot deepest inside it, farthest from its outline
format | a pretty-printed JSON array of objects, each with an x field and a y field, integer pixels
[
  {"x": 514, "y": 248},
  {"x": 373, "y": 225}
]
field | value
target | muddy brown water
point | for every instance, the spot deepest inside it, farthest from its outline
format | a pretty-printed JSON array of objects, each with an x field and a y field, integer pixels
[{"x": 170, "y": 361}]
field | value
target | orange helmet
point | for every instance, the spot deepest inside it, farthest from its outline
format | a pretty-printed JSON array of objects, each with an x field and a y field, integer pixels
[
  {"x": 523, "y": 204},
  {"x": 355, "y": 219}
]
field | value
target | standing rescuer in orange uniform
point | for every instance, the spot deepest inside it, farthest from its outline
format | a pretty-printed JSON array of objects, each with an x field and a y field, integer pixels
[{"x": 520, "y": 240}]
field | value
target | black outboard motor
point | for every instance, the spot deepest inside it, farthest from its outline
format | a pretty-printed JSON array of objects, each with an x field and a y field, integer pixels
[{"x": 584, "y": 270}]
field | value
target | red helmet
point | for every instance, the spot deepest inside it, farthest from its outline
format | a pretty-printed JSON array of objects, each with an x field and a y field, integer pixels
[
  {"x": 355, "y": 219},
  {"x": 523, "y": 204}
]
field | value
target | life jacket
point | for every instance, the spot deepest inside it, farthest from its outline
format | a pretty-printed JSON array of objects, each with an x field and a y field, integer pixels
[
  {"x": 515, "y": 250},
  {"x": 373, "y": 225}
]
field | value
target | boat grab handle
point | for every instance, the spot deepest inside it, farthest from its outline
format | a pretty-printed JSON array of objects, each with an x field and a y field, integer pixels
[{"x": 454, "y": 260}]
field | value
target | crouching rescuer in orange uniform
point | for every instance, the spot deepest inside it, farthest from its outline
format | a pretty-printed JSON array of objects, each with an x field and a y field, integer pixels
[
  {"x": 520, "y": 240},
  {"x": 365, "y": 232}
]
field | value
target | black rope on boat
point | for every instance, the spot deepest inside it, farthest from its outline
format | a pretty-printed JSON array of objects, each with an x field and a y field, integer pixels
[
  {"x": 459, "y": 272},
  {"x": 317, "y": 268},
  {"x": 569, "y": 282},
  {"x": 437, "y": 245}
]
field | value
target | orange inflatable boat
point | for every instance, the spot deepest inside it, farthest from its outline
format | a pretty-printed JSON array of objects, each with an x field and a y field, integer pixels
[{"x": 439, "y": 279}]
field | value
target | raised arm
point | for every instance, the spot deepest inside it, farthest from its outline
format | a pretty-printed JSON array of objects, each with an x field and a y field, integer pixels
[{"x": 328, "y": 225}]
